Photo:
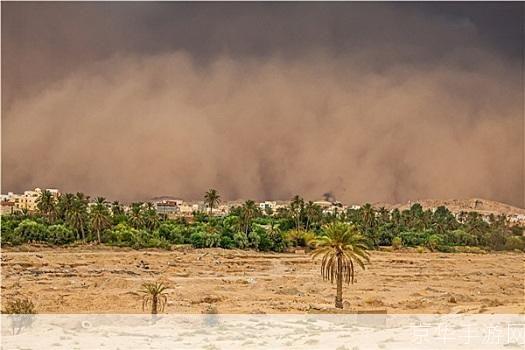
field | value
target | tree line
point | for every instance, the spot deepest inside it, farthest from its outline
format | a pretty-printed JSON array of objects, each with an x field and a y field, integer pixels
[{"x": 73, "y": 219}]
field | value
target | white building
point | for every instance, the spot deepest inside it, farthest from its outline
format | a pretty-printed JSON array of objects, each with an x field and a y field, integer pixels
[
  {"x": 27, "y": 200},
  {"x": 168, "y": 206},
  {"x": 268, "y": 205},
  {"x": 186, "y": 209}
]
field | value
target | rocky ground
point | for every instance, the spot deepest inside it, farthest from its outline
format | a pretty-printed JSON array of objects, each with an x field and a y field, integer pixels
[{"x": 108, "y": 280}]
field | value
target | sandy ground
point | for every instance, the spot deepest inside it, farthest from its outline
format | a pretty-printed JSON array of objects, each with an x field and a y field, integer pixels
[{"x": 107, "y": 280}]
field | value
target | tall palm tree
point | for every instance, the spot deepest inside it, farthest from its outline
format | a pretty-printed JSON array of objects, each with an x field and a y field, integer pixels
[
  {"x": 154, "y": 294},
  {"x": 342, "y": 247},
  {"x": 212, "y": 199},
  {"x": 151, "y": 217},
  {"x": 368, "y": 216},
  {"x": 297, "y": 207},
  {"x": 65, "y": 202},
  {"x": 312, "y": 212},
  {"x": 46, "y": 205},
  {"x": 248, "y": 211},
  {"x": 77, "y": 217},
  {"x": 100, "y": 216},
  {"x": 136, "y": 218}
]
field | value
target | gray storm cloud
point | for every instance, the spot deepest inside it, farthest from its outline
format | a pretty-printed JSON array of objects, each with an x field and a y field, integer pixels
[{"x": 136, "y": 126}]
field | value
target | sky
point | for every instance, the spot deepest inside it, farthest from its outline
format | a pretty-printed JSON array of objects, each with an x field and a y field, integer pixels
[{"x": 378, "y": 102}]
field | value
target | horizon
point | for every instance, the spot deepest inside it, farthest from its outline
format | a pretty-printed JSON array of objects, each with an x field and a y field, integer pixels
[{"x": 332, "y": 200}]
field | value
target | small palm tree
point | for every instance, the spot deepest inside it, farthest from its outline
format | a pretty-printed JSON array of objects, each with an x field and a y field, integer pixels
[
  {"x": 212, "y": 199},
  {"x": 341, "y": 247},
  {"x": 154, "y": 295}
]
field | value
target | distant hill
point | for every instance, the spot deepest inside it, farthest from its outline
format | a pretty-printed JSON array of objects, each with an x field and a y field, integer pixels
[{"x": 483, "y": 206}]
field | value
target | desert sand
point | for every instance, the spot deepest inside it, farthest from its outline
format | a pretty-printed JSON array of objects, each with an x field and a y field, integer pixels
[{"x": 108, "y": 280}]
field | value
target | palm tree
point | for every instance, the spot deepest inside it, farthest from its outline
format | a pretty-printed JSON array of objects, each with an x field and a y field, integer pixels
[
  {"x": 368, "y": 215},
  {"x": 100, "y": 216},
  {"x": 341, "y": 247},
  {"x": 312, "y": 212},
  {"x": 212, "y": 199},
  {"x": 65, "y": 203},
  {"x": 475, "y": 224},
  {"x": 154, "y": 294},
  {"x": 46, "y": 205},
  {"x": 248, "y": 212},
  {"x": 77, "y": 216},
  {"x": 135, "y": 215},
  {"x": 151, "y": 217},
  {"x": 116, "y": 208},
  {"x": 297, "y": 207}
]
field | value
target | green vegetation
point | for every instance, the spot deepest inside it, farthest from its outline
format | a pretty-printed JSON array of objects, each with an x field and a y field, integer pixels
[{"x": 73, "y": 219}]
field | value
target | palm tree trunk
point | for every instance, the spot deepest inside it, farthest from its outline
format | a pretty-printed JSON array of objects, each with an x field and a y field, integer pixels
[
  {"x": 98, "y": 236},
  {"x": 154, "y": 302},
  {"x": 339, "y": 281}
]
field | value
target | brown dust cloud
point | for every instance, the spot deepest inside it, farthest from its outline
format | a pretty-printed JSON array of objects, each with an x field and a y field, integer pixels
[{"x": 135, "y": 124}]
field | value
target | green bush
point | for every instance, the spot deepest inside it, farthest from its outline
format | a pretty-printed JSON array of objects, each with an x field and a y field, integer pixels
[
  {"x": 211, "y": 239},
  {"x": 60, "y": 234},
  {"x": 240, "y": 239},
  {"x": 279, "y": 243},
  {"x": 125, "y": 236},
  {"x": 197, "y": 240},
  {"x": 226, "y": 242},
  {"x": 265, "y": 243},
  {"x": 122, "y": 234},
  {"x": 495, "y": 239},
  {"x": 300, "y": 238},
  {"x": 153, "y": 242},
  {"x": 397, "y": 242},
  {"x": 445, "y": 249},
  {"x": 253, "y": 240},
  {"x": 30, "y": 230},
  {"x": 7, "y": 230},
  {"x": 10, "y": 237},
  {"x": 433, "y": 242},
  {"x": 171, "y": 232},
  {"x": 386, "y": 235},
  {"x": 460, "y": 237},
  {"x": 412, "y": 238},
  {"x": 514, "y": 242}
]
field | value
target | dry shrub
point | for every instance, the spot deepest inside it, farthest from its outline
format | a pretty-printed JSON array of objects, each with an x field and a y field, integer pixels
[{"x": 21, "y": 312}]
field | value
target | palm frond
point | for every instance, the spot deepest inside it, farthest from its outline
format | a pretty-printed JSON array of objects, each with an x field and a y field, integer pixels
[{"x": 341, "y": 243}]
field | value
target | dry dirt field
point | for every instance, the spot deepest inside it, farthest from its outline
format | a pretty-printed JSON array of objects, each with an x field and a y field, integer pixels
[{"x": 108, "y": 280}]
